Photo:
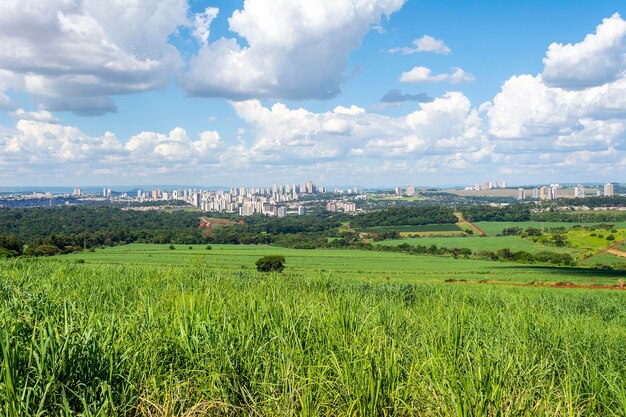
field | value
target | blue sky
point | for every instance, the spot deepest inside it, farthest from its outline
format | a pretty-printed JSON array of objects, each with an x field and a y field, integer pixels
[{"x": 130, "y": 92}]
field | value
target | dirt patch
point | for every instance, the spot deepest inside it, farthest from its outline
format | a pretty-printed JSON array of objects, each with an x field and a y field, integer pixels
[
  {"x": 617, "y": 252},
  {"x": 619, "y": 286}
]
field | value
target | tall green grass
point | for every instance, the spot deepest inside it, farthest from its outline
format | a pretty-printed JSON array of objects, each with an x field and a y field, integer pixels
[{"x": 173, "y": 341}]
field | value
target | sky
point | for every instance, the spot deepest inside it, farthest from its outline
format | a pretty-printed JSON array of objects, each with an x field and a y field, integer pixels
[{"x": 341, "y": 92}]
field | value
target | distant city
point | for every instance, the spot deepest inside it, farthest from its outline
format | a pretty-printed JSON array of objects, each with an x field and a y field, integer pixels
[{"x": 292, "y": 199}]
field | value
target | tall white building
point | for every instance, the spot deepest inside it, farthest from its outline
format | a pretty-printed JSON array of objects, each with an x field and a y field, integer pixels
[
  {"x": 410, "y": 191},
  {"x": 608, "y": 189},
  {"x": 521, "y": 194},
  {"x": 579, "y": 191}
]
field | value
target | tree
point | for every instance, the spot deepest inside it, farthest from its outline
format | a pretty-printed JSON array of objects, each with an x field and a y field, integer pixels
[{"x": 272, "y": 263}]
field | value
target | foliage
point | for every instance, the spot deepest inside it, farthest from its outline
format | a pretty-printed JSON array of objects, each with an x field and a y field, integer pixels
[
  {"x": 508, "y": 213},
  {"x": 270, "y": 263},
  {"x": 397, "y": 216}
]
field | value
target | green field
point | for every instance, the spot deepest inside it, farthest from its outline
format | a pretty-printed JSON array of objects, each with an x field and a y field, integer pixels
[
  {"x": 584, "y": 239},
  {"x": 190, "y": 334},
  {"x": 491, "y": 243},
  {"x": 493, "y": 228},
  {"x": 412, "y": 228},
  {"x": 606, "y": 259},
  {"x": 351, "y": 264}
]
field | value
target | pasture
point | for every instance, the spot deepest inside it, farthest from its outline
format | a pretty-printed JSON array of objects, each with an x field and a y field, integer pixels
[{"x": 185, "y": 336}]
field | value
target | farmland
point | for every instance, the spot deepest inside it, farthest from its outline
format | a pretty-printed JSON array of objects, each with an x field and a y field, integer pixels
[
  {"x": 348, "y": 264},
  {"x": 494, "y": 228},
  {"x": 492, "y": 243},
  {"x": 188, "y": 335}
]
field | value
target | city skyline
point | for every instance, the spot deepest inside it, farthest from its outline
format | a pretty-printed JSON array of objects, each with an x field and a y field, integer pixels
[{"x": 372, "y": 92}]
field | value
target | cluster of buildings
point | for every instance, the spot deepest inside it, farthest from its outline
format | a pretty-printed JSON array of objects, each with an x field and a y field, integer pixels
[
  {"x": 409, "y": 191},
  {"x": 551, "y": 192},
  {"x": 487, "y": 185}
]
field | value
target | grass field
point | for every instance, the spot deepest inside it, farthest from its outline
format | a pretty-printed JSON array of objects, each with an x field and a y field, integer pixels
[
  {"x": 584, "y": 239},
  {"x": 96, "y": 339},
  {"x": 606, "y": 259},
  {"x": 493, "y": 228},
  {"x": 491, "y": 243},
  {"x": 352, "y": 264},
  {"x": 412, "y": 228}
]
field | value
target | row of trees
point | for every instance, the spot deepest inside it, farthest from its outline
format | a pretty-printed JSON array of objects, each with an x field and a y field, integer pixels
[
  {"x": 398, "y": 216},
  {"x": 510, "y": 213}
]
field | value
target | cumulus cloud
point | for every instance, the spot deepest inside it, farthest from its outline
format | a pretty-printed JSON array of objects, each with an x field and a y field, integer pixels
[
  {"x": 202, "y": 24},
  {"x": 600, "y": 58},
  {"x": 291, "y": 136},
  {"x": 74, "y": 55},
  {"x": 33, "y": 147},
  {"x": 294, "y": 49},
  {"x": 425, "y": 75},
  {"x": 424, "y": 44},
  {"x": 572, "y": 117},
  {"x": 38, "y": 116}
]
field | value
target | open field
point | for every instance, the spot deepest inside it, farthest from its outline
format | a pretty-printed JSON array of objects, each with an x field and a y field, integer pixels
[
  {"x": 412, "y": 228},
  {"x": 352, "y": 264},
  {"x": 145, "y": 340},
  {"x": 493, "y": 228},
  {"x": 594, "y": 239},
  {"x": 606, "y": 259},
  {"x": 491, "y": 243}
]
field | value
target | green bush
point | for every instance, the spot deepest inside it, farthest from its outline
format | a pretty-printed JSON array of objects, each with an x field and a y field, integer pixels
[{"x": 272, "y": 263}]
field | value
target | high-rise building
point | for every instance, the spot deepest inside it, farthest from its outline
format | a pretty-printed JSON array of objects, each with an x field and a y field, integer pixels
[
  {"x": 331, "y": 206},
  {"x": 579, "y": 191},
  {"x": 410, "y": 191},
  {"x": 535, "y": 192},
  {"x": 545, "y": 193},
  {"x": 398, "y": 191},
  {"x": 521, "y": 194},
  {"x": 301, "y": 211},
  {"x": 349, "y": 207},
  {"x": 76, "y": 192},
  {"x": 608, "y": 189}
]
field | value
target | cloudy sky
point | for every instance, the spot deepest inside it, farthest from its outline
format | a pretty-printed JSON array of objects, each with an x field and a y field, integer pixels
[{"x": 342, "y": 92}]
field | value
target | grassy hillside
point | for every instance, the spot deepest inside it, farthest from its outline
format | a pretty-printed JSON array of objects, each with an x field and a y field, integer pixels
[{"x": 141, "y": 340}]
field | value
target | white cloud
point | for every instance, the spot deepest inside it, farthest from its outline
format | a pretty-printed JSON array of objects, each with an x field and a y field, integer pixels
[
  {"x": 295, "y": 49},
  {"x": 284, "y": 136},
  {"x": 600, "y": 58},
  {"x": 38, "y": 116},
  {"x": 424, "y": 44},
  {"x": 74, "y": 55},
  {"x": 202, "y": 24},
  {"x": 36, "y": 147},
  {"x": 425, "y": 75}
]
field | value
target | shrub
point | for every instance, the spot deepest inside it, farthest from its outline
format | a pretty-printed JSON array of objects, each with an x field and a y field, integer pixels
[
  {"x": 172, "y": 247},
  {"x": 272, "y": 263},
  {"x": 208, "y": 247}
]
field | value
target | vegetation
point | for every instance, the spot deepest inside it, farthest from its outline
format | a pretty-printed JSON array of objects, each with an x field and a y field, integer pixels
[
  {"x": 399, "y": 216},
  {"x": 80, "y": 339},
  {"x": 270, "y": 263},
  {"x": 509, "y": 213},
  {"x": 412, "y": 229}
]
